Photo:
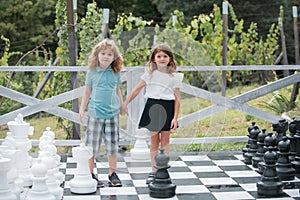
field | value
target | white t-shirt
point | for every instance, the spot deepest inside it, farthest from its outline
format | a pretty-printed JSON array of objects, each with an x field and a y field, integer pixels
[{"x": 162, "y": 85}]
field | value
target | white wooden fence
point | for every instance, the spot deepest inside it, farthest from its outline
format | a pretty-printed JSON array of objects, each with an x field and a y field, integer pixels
[{"x": 131, "y": 75}]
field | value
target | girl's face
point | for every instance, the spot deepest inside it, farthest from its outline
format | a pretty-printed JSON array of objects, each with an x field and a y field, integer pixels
[
  {"x": 161, "y": 59},
  {"x": 106, "y": 57}
]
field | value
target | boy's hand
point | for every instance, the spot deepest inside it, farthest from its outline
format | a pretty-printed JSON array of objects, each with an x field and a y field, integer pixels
[{"x": 123, "y": 109}]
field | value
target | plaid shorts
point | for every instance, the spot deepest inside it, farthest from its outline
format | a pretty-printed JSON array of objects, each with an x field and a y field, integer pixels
[{"x": 103, "y": 128}]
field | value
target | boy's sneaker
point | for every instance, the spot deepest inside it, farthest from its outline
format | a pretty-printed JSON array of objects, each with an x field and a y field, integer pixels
[
  {"x": 100, "y": 184},
  {"x": 114, "y": 180}
]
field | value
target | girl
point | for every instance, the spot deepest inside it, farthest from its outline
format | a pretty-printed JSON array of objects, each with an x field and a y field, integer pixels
[
  {"x": 163, "y": 99},
  {"x": 103, "y": 96}
]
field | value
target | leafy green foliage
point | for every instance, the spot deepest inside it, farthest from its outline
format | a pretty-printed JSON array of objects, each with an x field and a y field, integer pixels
[{"x": 278, "y": 103}]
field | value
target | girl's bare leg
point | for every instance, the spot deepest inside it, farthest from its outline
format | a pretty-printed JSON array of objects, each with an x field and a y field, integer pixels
[
  {"x": 165, "y": 141},
  {"x": 155, "y": 141}
]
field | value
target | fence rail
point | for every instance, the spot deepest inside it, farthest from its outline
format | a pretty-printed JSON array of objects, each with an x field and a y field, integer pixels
[{"x": 131, "y": 76}]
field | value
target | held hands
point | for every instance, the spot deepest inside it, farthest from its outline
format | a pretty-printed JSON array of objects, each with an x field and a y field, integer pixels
[{"x": 123, "y": 109}]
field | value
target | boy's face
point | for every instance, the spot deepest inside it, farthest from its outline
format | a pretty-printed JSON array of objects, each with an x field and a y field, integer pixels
[
  {"x": 161, "y": 59},
  {"x": 106, "y": 57}
]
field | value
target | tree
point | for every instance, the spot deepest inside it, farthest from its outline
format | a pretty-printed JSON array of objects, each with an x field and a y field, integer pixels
[{"x": 26, "y": 23}]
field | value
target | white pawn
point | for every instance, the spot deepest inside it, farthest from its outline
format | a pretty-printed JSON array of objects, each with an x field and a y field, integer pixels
[
  {"x": 50, "y": 134},
  {"x": 39, "y": 190},
  {"x": 5, "y": 192},
  {"x": 52, "y": 182},
  {"x": 82, "y": 183},
  {"x": 9, "y": 141},
  {"x": 53, "y": 152}
]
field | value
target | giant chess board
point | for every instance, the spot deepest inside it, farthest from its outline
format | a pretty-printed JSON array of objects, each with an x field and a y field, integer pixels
[{"x": 207, "y": 176}]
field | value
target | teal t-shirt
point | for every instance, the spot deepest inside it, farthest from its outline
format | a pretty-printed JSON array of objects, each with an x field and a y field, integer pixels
[{"x": 104, "y": 102}]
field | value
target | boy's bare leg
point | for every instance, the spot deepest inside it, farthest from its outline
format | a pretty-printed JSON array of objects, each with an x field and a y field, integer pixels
[
  {"x": 91, "y": 164},
  {"x": 112, "y": 162}
]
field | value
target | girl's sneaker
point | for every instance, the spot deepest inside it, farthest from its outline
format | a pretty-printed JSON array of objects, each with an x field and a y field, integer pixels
[
  {"x": 150, "y": 177},
  {"x": 100, "y": 184},
  {"x": 114, "y": 180}
]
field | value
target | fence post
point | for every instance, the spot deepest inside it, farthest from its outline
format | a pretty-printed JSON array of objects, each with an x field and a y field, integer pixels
[
  {"x": 224, "y": 51},
  {"x": 72, "y": 50},
  {"x": 296, "y": 38}
]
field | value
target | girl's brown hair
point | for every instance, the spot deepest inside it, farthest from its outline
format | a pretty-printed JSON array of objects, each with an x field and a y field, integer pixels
[
  {"x": 151, "y": 65},
  {"x": 93, "y": 61}
]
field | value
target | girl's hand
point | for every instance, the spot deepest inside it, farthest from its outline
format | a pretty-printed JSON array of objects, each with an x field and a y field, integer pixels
[
  {"x": 174, "y": 124},
  {"x": 123, "y": 109}
]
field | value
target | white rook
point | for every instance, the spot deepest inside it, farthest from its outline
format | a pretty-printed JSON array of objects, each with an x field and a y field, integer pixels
[{"x": 82, "y": 183}]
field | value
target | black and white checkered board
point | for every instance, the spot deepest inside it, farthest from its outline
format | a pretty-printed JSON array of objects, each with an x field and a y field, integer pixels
[{"x": 216, "y": 175}]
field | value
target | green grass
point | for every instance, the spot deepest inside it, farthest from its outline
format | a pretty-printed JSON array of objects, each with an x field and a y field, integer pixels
[{"x": 227, "y": 123}]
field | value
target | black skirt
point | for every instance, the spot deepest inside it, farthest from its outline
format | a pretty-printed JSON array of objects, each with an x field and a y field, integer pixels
[{"x": 157, "y": 115}]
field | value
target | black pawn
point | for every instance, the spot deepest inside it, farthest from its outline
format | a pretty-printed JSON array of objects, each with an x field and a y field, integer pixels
[
  {"x": 296, "y": 162},
  {"x": 259, "y": 156},
  {"x": 284, "y": 167},
  {"x": 270, "y": 185},
  {"x": 252, "y": 145},
  {"x": 162, "y": 187},
  {"x": 270, "y": 143},
  {"x": 245, "y": 149},
  {"x": 294, "y": 124}
]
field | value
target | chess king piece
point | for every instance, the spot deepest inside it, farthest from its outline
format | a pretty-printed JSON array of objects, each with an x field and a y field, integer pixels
[
  {"x": 284, "y": 167},
  {"x": 82, "y": 183},
  {"x": 39, "y": 188},
  {"x": 20, "y": 131},
  {"x": 270, "y": 185},
  {"x": 5, "y": 192},
  {"x": 162, "y": 187}
]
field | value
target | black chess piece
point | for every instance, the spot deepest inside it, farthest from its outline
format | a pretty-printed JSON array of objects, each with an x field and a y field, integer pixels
[
  {"x": 296, "y": 162},
  {"x": 292, "y": 129},
  {"x": 270, "y": 143},
  {"x": 284, "y": 167},
  {"x": 252, "y": 145},
  {"x": 162, "y": 186},
  {"x": 281, "y": 127},
  {"x": 270, "y": 185},
  {"x": 245, "y": 149},
  {"x": 259, "y": 156}
]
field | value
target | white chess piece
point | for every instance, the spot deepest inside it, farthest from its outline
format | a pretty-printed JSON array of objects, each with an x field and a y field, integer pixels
[
  {"x": 15, "y": 183},
  {"x": 52, "y": 182},
  {"x": 39, "y": 190},
  {"x": 5, "y": 192},
  {"x": 20, "y": 131},
  {"x": 82, "y": 183},
  {"x": 140, "y": 151}
]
